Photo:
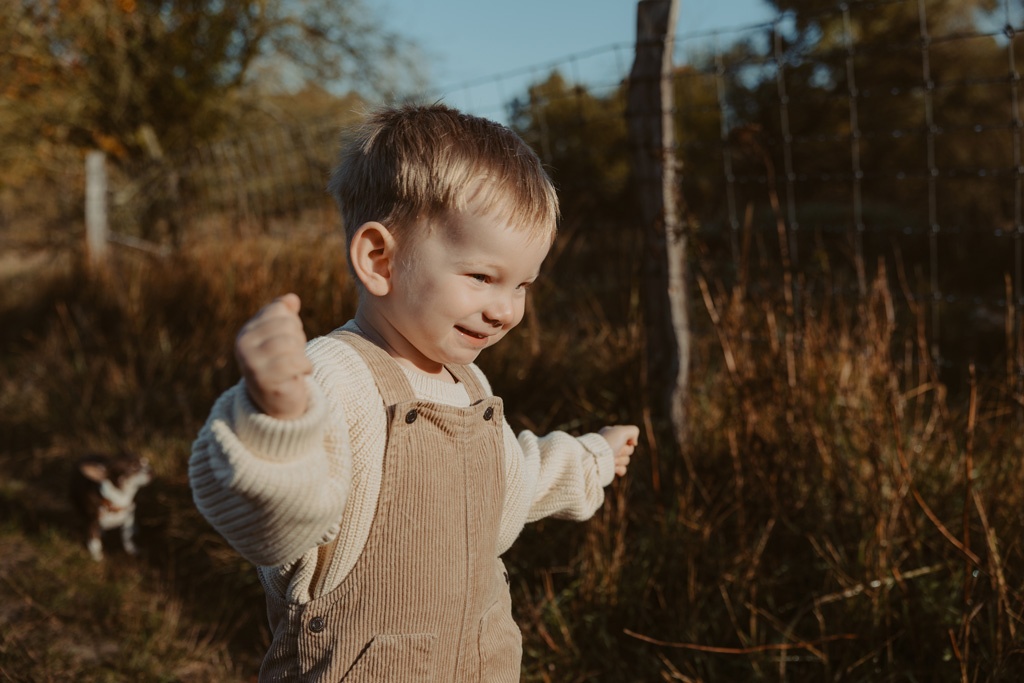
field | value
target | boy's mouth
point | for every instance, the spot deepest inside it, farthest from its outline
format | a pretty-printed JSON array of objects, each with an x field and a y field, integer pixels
[{"x": 470, "y": 333}]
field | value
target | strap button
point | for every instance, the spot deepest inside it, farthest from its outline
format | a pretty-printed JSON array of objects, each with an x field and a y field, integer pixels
[
  {"x": 489, "y": 413},
  {"x": 410, "y": 417},
  {"x": 317, "y": 624}
]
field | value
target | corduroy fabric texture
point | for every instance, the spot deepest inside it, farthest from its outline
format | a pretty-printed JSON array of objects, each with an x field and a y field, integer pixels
[{"x": 428, "y": 598}]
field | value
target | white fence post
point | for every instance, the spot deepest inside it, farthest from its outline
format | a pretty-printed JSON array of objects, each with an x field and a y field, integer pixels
[{"x": 96, "y": 207}]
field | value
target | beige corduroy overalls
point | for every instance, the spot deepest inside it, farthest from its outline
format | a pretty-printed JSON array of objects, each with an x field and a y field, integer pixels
[{"x": 428, "y": 598}]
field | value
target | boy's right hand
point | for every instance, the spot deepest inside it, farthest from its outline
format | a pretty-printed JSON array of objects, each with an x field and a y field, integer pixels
[
  {"x": 271, "y": 354},
  {"x": 623, "y": 440}
]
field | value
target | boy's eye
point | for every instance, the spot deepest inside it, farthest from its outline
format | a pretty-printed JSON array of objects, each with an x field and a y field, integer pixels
[
  {"x": 526, "y": 285},
  {"x": 479, "y": 277}
]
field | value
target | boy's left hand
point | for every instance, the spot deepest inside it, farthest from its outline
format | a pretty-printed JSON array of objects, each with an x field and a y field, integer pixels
[{"x": 623, "y": 440}]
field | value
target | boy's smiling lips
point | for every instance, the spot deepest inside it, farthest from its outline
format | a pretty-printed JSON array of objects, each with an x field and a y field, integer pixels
[{"x": 474, "y": 337}]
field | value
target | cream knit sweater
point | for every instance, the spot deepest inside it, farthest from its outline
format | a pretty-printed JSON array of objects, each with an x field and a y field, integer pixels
[{"x": 276, "y": 489}]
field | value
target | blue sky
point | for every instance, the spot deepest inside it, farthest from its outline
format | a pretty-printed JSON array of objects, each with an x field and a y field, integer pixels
[{"x": 474, "y": 41}]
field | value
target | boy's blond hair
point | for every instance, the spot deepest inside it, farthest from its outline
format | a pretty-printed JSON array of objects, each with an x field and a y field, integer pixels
[{"x": 422, "y": 162}]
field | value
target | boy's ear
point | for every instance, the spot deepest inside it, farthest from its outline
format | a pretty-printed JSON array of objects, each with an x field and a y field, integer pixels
[{"x": 372, "y": 252}]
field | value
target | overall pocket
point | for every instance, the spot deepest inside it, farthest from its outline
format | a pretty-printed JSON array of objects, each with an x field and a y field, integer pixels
[{"x": 406, "y": 658}]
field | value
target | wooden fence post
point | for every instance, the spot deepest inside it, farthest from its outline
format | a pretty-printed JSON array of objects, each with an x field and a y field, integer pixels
[
  {"x": 650, "y": 114},
  {"x": 96, "y": 227}
]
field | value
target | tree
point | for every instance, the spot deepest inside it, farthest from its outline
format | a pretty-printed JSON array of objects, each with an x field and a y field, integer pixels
[
  {"x": 140, "y": 77},
  {"x": 915, "y": 78},
  {"x": 582, "y": 139}
]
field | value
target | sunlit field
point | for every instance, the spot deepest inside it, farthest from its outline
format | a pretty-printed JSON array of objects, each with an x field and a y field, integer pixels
[{"x": 836, "y": 513}]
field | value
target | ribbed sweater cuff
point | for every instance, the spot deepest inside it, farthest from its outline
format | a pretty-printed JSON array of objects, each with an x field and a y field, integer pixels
[
  {"x": 604, "y": 459},
  {"x": 277, "y": 440}
]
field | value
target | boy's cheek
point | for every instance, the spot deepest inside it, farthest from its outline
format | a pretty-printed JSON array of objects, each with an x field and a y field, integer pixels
[{"x": 520, "y": 314}]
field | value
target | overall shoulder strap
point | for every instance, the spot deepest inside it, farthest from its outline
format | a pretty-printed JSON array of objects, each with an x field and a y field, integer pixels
[
  {"x": 392, "y": 383},
  {"x": 468, "y": 378}
]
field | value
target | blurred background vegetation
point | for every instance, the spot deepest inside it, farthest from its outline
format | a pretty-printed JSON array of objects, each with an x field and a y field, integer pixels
[{"x": 849, "y": 502}]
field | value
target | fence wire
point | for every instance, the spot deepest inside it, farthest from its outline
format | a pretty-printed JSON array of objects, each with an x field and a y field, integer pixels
[{"x": 905, "y": 145}]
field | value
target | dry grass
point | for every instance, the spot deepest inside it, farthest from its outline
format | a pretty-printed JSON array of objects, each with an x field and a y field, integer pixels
[{"x": 834, "y": 516}]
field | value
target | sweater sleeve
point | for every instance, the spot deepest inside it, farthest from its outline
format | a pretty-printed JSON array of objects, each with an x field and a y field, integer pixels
[
  {"x": 557, "y": 475},
  {"x": 272, "y": 488}
]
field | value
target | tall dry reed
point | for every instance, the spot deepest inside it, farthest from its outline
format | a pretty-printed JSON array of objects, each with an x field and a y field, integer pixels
[{"x": 835, "y": 514}]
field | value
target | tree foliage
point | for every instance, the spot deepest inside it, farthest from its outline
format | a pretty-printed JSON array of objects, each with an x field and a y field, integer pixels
[
  {"x": 904, "y": 87},
  {"x": 140, "y": 77},
  {"x": 582, "y": 139},
  {"x": 892, "y": 118}
]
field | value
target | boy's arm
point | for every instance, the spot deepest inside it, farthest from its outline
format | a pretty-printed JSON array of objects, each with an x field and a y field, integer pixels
[
  {"x": 273, "y": 488},
  {"x": 271, "y": 468},
  {"x": 557, "y": 475}
]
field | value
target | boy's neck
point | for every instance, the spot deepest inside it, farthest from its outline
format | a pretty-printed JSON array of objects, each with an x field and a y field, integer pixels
[{"x": 371, "y": 328}]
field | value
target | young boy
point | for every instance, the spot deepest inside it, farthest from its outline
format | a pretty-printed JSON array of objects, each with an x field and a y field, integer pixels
[{"x": 370, "y": 473}]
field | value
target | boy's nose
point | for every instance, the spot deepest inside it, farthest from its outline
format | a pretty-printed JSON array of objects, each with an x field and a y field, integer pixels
[{"x": 500, "y": 312}]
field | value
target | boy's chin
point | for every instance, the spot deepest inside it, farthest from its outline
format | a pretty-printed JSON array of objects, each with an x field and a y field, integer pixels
[{"x": 461, "y": 356}]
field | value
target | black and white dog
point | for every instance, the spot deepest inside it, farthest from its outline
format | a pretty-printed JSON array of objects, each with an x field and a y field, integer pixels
[{"x": 103, "y": 490}]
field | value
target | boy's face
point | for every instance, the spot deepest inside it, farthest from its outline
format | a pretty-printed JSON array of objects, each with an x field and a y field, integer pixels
[{"x": 458, "y": 288}]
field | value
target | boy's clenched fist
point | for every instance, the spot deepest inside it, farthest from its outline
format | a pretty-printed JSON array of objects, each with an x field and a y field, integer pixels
[{"x": 271, "y": 354}]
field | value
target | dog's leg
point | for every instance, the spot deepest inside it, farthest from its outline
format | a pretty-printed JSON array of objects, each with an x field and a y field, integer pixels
[
  {"x": 128, "y": 534},
  {"x": 94, "y": 542}
]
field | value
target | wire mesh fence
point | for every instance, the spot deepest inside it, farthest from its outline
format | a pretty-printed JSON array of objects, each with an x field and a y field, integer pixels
[
  {"x": 900, "y": 144},
  {"x": 833, "y": 138},
  {"x": 845, "y": 136},
  {"x": 254, "y": 183}
]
